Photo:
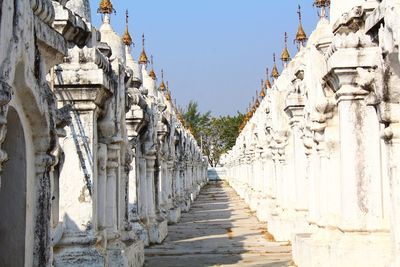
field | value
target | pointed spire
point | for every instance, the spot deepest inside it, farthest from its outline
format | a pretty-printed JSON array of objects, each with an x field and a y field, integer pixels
[
  {"x": 162, "y": 85},
  {"x": 168, "y": 94},
  {"x": 262, "y": 93},
  {"x": 285, "y": 56},
  {"x": 249, "y": 113},
  {"x": 105, "y": 7},
  {"x": 323, "y": 5},
  {"x": 253, "y": 106},
  {"x": 301, "y": 36},
  {"x": 267, "y": 82},
  {"x": 275, "y": 72},
  {"x": 143, "y": 57},
  {"x": 152, "y": 74},
  {"x": 257, "y": 103},
  {"x": 126, "y": 38}
]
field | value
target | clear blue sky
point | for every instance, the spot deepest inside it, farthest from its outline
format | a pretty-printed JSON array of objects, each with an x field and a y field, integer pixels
[{"x": 213, "y": 51}]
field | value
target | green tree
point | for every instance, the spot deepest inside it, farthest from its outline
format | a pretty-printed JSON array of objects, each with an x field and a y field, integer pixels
[
  {"x": 196, "y": 121},
  {"x": 216, "y": 135},
  {"x": 222, "y": 136}
]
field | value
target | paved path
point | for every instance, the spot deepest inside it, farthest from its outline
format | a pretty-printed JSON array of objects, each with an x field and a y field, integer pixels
[{"x": 219, "y": 230}]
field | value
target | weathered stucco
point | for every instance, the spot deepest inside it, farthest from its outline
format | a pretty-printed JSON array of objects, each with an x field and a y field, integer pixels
[
  {"x": 69, "y": 159},
  {"x": 95, "y": 161},
  {"x": 322, "y": 145}
]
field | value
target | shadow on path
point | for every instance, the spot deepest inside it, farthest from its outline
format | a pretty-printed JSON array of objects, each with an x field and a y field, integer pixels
[{"x": 219, "y": 230}]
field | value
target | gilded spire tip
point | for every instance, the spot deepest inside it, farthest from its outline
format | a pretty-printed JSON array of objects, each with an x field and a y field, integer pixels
[
  {"x": 285, "y": 56},
  {"x": 262, "y": 92},
  {"x": 267, "y": 82},
  {"x": 275, "y": 72},
  {"x": 301, "y": 36},
  {"x": 168, "y": 94},
  {"x": 152, "y": 74},
  {"x": 143, "y": 57},
  {"x": 126, "y": 38},
  {"x": 105, "y": 7},
  {"x": 162, "y": 85}
]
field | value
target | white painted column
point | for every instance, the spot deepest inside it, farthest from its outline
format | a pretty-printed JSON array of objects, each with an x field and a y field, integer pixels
[
  {"x": 111, "y": 190},
  {"x": 392, "y": 138},
  {"x": 133, "y": 189},
  {"x": 102, "y": 186},
  {"x": 300, "y": 166},
  {"x": 151, "y": 209},
  {"x": 142, "y": 192},
  {"x": 360, "y": 161}
]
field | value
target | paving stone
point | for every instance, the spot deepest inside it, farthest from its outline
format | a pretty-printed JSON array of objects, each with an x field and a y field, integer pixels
[{"x": 219, "y": 230}]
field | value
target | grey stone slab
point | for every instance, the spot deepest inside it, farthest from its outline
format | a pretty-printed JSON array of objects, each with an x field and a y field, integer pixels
[{"x": 219, "y": 230}]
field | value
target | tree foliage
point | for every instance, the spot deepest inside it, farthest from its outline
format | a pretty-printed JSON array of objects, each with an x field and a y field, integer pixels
[
  {"x": 216, "y": 135},
  {"x": 194, "y": 120}
]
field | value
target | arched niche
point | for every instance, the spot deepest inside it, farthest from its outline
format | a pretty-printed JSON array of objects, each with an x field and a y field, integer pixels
[{"x": 13, "y": 195}]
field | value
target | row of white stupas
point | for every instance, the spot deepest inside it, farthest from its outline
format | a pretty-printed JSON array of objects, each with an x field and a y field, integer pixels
[
  {"x": 318, "y": 155},
  {"x": 95, "y": 161}
]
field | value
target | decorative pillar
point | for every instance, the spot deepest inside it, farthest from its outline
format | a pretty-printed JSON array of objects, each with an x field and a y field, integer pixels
[
  {"x": 295, "y": 110},
  {"x": 82, "y": 204},
  {"x": 113, "y": 152},
  {"x": 362, "y": 216},
  {"x": 151, "y": 209}
]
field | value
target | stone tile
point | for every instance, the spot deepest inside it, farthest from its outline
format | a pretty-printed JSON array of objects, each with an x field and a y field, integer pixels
[{"x": 219, "y": 230}]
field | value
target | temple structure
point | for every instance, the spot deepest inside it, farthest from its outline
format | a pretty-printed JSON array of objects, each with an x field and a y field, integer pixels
[
  {"x": 95, "y": 161},
  {"x": 317, "y": 156}
]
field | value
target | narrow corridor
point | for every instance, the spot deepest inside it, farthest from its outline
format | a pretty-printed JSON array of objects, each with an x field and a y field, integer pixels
[{"x": 219, "y": 230}]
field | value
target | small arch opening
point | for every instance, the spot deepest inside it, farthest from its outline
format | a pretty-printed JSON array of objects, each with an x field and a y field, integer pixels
[{"x": 13, "y": 195}]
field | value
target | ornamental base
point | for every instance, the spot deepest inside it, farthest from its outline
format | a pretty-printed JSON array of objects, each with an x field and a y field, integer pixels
[
  {"x": 158, "y": 231},
  {"x": 328, "y": 248},
  {"x": 126, "y": 255},
  {"x": 174, "y": 215}
]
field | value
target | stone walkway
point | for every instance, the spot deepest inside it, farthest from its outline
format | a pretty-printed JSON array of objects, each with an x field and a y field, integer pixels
[{"x": 219, "y": 230}]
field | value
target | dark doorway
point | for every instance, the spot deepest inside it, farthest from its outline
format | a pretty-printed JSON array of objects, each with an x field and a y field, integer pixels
[{"x": 13, "y": 195}]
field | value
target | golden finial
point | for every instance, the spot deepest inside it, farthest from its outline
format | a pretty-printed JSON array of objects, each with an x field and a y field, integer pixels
[
  {"x": 248, "y": 115},
  {"x": 301, "y": 36},
  {"x": 168, "y": 94},
  {"x": 285, "y": 56},
  {"x": 253, "y": 110},
  {"x": 249, "y": 112},
  {"x": 323, "y": 5},
  {"x": 275, "y": 72},
  {"x": 257, "y": 102},
  {"x": 180, "y": 116},
  {"x": 262, "y": 93},
  {"x": 241, "y": 127},
  {"x": 126, "y": 38},
  {"x": 267, "y": 82},
  {"x": 143, "y": 57},
  {"x": 162, "y": 85},
  {"x": 152, "y": 74},
  {"x": 105, "y": 7}
]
